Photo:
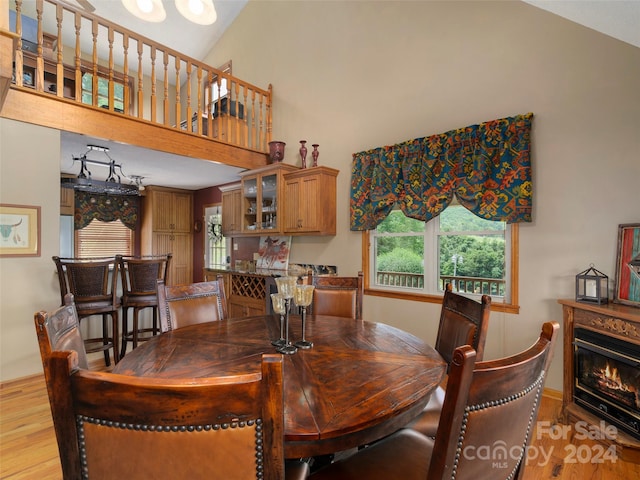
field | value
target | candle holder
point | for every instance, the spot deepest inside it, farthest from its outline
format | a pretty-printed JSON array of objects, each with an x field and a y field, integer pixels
[
  {"x": 303, "y": 153},
  {"x": 279, "y": 308},
  {"x": 286, "y": 287},
  {"x": 303, "y": 296}
]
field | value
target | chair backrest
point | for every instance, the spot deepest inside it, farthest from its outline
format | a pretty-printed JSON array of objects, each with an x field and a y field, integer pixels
[
  {"x": 337, "y": 296},
  {"x": 92, "y": 281},
  {"x": 140, "y": 274},
  {"x": 60, "y": 331},
  {"x": 182, "y": 305},
  {"x": 463, "y": 321},
  {"x": 227, "y": 427},
  {"x": 489, "y": 411}
]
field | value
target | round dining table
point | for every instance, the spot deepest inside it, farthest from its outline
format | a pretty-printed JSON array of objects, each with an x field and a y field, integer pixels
[{"x": 358, "y": 383}]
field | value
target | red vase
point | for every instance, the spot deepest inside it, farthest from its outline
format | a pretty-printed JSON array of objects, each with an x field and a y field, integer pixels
[{"x": 276, "y": 151}]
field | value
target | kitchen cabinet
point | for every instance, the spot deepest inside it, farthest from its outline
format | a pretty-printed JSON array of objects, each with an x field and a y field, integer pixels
[
  {"x": 67, "y": 199},
  {"x": 248, "y": 294},
  {"x": 231, "y": 210},
  {"x": 310, "y": 196},
  {"x": 166, "y": 228},
  {"x": 50, "y": 73},
  {"x": 262, "y": 199}
]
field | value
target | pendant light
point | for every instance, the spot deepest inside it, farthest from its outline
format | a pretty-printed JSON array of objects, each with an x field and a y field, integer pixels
[
  {"x": 201, "y": 12},
  {"x": 147, "y": 10}
]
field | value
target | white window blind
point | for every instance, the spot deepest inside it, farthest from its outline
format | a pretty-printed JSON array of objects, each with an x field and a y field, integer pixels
[{"x": 103, "y": 239}]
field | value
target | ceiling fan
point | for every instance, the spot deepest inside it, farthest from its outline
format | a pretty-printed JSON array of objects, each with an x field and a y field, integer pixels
[{"x": 85, "y": 4}]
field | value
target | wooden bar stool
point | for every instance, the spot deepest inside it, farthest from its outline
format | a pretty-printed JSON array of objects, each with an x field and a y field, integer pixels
[
  {"x": 139, "y": 277},
  {"x": 93, "y": 282}
]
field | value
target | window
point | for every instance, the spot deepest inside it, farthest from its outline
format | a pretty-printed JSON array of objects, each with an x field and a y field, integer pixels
[
  {"x": 103, "y": 239},
  {"x": 216, "y": 243},
  {"x": 411, "y": 258},
  {"x": 102, "y": 92},
  {"x": 215, "y": 92}
]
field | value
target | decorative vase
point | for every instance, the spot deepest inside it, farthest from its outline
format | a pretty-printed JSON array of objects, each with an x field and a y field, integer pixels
[
  {"x": 315, "y": 154},
  {"x": 303, "y": 153},
  {"x": 276, "y": 151}
]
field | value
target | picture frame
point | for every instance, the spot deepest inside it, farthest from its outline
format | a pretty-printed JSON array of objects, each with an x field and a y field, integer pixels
[
  {"x": 627, "y": 280},
  {"x": 19, "y": 230}
]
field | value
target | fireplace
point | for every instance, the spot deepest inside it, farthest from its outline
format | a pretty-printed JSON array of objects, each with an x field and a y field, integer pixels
[{"x": 607, "y": 378}]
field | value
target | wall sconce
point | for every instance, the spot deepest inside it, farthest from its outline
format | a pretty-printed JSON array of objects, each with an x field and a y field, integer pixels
[
  {"x": 148, "y": 10},
  {"x": 201, "y": 12},
  {"x": 592, "y": 286}
]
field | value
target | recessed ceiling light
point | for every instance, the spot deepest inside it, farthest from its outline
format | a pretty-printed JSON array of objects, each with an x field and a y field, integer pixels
[
  {"x": 201, "y": 12},
  {"x": 148, "y": 10}
]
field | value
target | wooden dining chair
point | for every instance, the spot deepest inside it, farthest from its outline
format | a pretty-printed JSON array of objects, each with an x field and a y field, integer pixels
[
  {"x": 182, "y": 305},
  {"x": 488, "y": 405},
  {"x": 463, "y": 321},
  {"x": 60, "y": 331},
  {"x": 93, "y": 283},
  {"x": 226, "y": 427},
  {"x": 139, "y": 276},
  {"x": 337, "y": 296}
]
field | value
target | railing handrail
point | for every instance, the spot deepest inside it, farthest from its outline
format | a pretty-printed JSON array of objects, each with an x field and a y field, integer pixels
[{"x": 241, "y": 116}]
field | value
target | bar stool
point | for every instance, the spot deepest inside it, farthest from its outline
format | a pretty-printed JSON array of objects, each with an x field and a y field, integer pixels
[
  {"x": 93, "y": 281},
  {"x": 139, "y": 277}
]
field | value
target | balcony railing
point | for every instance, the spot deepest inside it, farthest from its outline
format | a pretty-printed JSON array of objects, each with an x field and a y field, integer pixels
[
  {"x": 79, "y": 57},
  {"x": 477, "y": 285}
]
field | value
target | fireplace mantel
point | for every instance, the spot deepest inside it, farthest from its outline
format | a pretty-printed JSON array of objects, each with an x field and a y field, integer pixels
[{"x": 615, "y": 320}]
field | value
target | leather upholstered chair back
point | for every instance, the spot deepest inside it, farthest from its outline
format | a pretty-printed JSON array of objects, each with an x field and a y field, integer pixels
[
  {"x": 487, "y": 422},
  {"x": 227, "y": 427},
  {"x": 182, "y": 305},
  {"x": 60, "y": 331},
  {"x": 337, "y": 296},
  {"x": 463, "y": 321}
]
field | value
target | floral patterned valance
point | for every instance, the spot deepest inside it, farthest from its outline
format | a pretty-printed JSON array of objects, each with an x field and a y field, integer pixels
[
  {"x": 486, "y": 166},
  {"x": 106, "y": 208}
]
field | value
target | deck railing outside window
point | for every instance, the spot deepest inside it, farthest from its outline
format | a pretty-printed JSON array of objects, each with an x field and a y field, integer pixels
[{"x": 59, "y": 46}]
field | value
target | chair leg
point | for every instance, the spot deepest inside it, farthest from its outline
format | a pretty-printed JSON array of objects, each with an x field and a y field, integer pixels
[
  {"x": 125, "y": 329},
  {"x": 115, "y": 321},
  {"x": 136, "y": 311},
  {"x": 105, "y": 339}
]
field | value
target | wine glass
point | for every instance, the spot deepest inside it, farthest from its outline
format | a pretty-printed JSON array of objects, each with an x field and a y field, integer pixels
[
  {"x": 303, "y": 295},
  {"x": 286, "y": 286},
  {"x": 279, "y": 308}
]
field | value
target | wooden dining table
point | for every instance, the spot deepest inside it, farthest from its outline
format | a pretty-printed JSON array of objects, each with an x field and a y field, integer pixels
[{"x": 358, "y": 383}]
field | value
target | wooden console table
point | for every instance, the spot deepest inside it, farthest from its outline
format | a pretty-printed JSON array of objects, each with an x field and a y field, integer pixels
[{"x": 620, "y": 321}]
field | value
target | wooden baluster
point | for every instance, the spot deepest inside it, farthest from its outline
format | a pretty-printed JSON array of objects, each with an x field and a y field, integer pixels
[
  {"x": 140, "y": 80},
  {"x": 245, "y": 133},
  {"x": 189, "y": 108},
  {"x": 78, "y": 59},
  {"x": 153, "y": 83},
  {"x": 254, "y": 130},
  {"x": 111, "y": 83},
  {"x": 59, "y": 60},
  {"x": 209, "y": 106},
  {"x": 199, "y": 93},
  {"x": 19, "y": 58},
  {"x": 269, "y": 119},
  {"x": 94, "y": 59},
  {"x": 39, "y": 80},
  {"x": 178, "y": 106},
  {"x": 165, "y": 106},
  {"x": 126, "y": 105}
]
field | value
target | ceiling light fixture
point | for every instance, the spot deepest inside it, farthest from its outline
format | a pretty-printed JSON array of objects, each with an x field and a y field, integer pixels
[
  {"x": 201, "y": 12},
  {"x": 111, "y": 186},
  {"x": 148, "y": 10}
]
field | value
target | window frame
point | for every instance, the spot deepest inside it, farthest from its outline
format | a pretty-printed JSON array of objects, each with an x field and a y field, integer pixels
[
  {"x": 103, "y": 73},
  {"x": 511, "y": 276}
]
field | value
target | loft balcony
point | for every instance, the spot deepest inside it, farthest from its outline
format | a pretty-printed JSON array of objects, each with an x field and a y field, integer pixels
[{"x": 73, "y": 71}]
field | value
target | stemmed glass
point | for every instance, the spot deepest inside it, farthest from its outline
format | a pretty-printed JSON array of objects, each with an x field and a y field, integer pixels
[
  {"x": 279, "y": 308},
  {"x": 286, "y": 286},
  {"x": 303, "y": 296}
]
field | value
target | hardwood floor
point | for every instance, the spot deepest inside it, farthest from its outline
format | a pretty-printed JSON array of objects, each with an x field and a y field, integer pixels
[{"x": 28, "y": 448}]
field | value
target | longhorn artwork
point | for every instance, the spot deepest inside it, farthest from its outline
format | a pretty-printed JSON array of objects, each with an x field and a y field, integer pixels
[{"x": 19, "y": 230}]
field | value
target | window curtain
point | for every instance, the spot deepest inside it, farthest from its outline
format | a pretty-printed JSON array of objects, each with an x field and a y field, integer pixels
[
  {"x": 106, "y": 208},
  {"x": 486, "y": 166}
]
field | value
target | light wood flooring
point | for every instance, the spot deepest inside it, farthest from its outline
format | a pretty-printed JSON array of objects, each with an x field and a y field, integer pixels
[{"x": 28, "y": 448}]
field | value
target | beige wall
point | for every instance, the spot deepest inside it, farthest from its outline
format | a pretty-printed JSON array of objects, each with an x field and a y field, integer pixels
[{"x": 357, "y": 75}]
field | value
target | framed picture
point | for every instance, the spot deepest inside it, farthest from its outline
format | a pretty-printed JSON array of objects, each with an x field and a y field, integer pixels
[
  {"x": 19, "y": 231},
  {"x": 627, "y": 284},
  {"x": 273, "y": 253}
]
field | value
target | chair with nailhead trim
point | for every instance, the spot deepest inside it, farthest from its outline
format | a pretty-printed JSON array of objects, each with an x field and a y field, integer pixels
[
  {"x": 202, "y": 428},
  {"x": 489, "y": 414}
]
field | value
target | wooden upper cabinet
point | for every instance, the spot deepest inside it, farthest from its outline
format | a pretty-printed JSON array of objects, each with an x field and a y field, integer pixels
[
  {"x": 231, "y": 210},
  {"x": 310, "y": 196},
  {"x": 67, "y": 198}
]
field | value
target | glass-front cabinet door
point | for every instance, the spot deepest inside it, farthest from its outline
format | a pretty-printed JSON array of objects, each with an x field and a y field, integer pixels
[{"x": 262, "y": 199}]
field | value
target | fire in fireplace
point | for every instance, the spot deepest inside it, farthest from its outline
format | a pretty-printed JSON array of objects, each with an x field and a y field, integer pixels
[{"x": 607, "y": 378}]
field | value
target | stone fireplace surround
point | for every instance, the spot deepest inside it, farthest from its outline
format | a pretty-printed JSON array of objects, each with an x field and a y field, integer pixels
[{"x": 617, "y": 321}]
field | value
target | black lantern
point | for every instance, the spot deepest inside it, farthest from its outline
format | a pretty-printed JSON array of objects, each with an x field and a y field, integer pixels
[{"x": 592, "y": 286}]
